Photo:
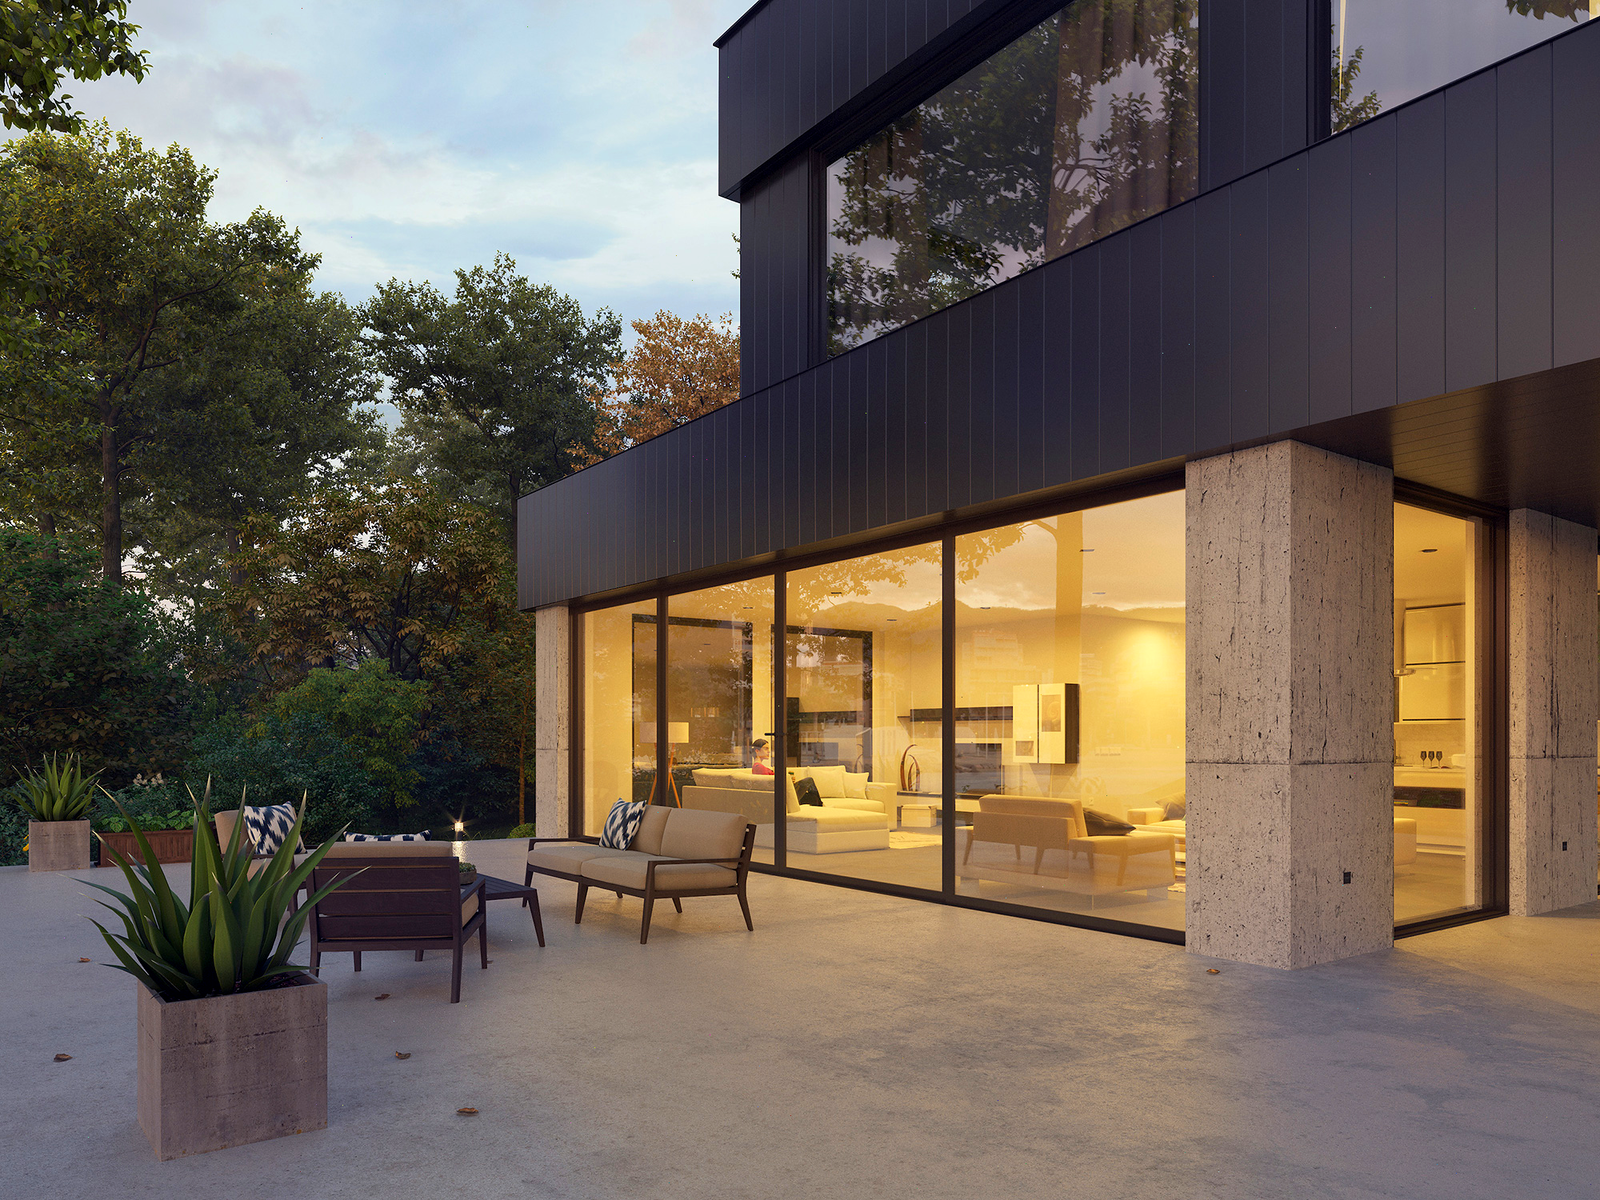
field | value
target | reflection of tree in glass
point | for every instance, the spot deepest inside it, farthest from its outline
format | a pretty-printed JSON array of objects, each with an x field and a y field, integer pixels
[
  {"x": 1046, "y": 146},
  {"x": 1345, "y": 111},
  {"x": 1572, "y": 10}
]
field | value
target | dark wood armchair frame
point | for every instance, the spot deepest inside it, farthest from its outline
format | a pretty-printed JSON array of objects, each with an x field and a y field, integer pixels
[
  {"x": 650, "y": 893},
  {"x": 385, "y": 922}
]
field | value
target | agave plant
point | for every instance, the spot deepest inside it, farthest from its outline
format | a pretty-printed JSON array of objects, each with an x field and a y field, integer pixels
[
  {"x": 58, "y": 791},
  {"x": 231, "y": 935}
]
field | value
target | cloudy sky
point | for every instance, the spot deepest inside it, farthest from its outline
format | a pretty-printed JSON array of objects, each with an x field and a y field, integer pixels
[{"x": 406, "y": 139}]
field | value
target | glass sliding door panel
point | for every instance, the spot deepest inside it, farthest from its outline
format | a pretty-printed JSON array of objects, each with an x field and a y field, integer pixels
[
  {"x": 619, "y": 708},
  {"x": 1386, "y": 52},
  {"x": 1070, "y": 677},
  {"x": 719, "y": 704},
  {"x": 864, "y": 724},
  {"x": 1438, "y": 766}
]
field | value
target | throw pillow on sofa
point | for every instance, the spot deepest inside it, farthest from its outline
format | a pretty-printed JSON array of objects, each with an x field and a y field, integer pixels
[
  {"x": 387, "y": 837},
  {"x": 268, "y": 826},
  {"x": 622, "y": 822},
  {"x": 1102, "y": 824},
  {"x": 806, "y": 790},
  {"x": 1173, "y": 810},
  {"x": 855, "y": 784},
  {"x": 829, "y": 780}
]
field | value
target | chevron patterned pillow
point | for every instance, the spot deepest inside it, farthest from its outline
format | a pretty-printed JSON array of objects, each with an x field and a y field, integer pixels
[
  {"x": 622, "y": 822},
  {"x": 387, "y": 837},
  {"x": 267, "y": 827}
]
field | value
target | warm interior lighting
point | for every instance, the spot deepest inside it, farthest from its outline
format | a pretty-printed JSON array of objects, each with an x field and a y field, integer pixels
[
  {"x": 678, "y": 731},
  {"x": 461, "y": 827}
]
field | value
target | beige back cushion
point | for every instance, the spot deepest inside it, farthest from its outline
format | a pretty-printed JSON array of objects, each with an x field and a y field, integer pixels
[
  {"x": 696, "y": 833},
  {"x": 647, "y": 838},
  {"x": 225, "y": 822},
  {"x": 389, "y": 850},
  {"x": 711, "y": 777},
  {"x": 855, "y": 784},
  {"x": 1058, "y": 807},
  {"x": 830, "y": 781}
]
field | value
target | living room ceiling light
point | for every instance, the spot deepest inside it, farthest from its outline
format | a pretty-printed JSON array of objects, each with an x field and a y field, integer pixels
[{"x": 1431, "y": 550}]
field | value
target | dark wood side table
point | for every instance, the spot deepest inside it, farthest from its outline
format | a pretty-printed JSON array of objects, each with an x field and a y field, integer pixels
[{"x": 504, "y": 889}]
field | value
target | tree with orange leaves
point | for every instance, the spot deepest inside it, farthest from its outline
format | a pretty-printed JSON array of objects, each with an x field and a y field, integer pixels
[{"x": 678, "y": 370}]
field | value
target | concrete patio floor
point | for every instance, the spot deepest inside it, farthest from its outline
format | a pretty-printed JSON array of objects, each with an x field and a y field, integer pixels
[{"x": 853, "y": 1046}]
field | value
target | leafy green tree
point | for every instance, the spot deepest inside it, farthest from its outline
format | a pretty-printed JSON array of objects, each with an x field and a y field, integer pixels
[
  {"x": 391, "y": 571},
  {"x": 44, "y": 41},
  {"x": 493, "y": 383},
  {"x": 1349, "y": 110},
  {"x": 146, "y": 285},
  {"x": 86, "y": 667},
  {"x": 376, "y": 714}
]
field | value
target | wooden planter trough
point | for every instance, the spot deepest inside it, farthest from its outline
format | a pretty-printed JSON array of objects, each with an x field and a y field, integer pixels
[
  {"x": 230, "y": 1070},
  {"x": 168, "y": 845}
]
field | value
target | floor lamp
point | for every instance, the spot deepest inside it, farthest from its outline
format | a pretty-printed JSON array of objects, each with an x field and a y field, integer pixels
[{"x": 677, "y": 735}]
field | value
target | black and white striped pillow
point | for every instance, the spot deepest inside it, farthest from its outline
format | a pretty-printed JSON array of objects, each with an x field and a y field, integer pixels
[
  {"x": 387, "y": 837},
  {"x": 622, "y": 822},
  {"x": 268, "y": 826}
]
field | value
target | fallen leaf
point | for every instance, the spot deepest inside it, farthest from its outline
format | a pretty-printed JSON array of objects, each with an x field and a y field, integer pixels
[
  {"x": 467, "y": 1112},
  {"x": 397, "y": 1054},
  {"x": 83, "y": 960},
  {"x": 63, "y": 1057},
  {"x": 384, "y": 996},
  {"x": 1212, "y": 971}
]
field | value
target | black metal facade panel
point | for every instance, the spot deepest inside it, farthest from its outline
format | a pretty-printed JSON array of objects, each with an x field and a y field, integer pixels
[
  {"x": 1255, "y": 85},
  {"x": 777, "y": 298},
  {"x": 1346, "y": 288},
  {"x": 792, "y": 65}
]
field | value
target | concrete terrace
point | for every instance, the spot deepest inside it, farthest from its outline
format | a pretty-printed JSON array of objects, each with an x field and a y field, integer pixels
[{"x": 854, "y": 1046}]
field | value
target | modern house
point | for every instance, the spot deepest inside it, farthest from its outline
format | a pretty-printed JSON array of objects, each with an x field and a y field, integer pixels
[{"x": 1163, "y": 496}]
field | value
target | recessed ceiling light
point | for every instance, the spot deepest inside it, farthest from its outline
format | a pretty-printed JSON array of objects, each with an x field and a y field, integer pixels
[
  {"x": 985, "y": 607},
  {"x": 1431, "y": 550},
  {"x": 892, "y": 618},
  {"x": 1086, "y": 550},
  {"x": 1097, "y": 593},
  {"x": 835, "y": 593}
]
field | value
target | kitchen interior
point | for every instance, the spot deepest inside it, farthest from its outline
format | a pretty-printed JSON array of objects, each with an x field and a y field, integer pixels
[{"x": 1437, "y": 781}]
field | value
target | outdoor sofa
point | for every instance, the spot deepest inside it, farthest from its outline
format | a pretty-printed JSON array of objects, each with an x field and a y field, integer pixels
[{"x": 676, "y": 852}]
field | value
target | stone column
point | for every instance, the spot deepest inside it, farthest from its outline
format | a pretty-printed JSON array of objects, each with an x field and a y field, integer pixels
[
  {"x": 1554, "y": 702},
  {"x": 1290, "y": 702},
  {"x": 553, "y": 722}
]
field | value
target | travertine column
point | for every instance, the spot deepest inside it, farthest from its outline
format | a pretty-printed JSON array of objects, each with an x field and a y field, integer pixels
[
  {"x": 553, "y": 722},
  {"x": 1290, "y": 742},
  {"x": 1554, "y": 702}
]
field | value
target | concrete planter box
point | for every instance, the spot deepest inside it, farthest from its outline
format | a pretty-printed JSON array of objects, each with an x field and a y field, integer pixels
[
  {"x": 168, "y": 845},
  {"x": 228, "y": 1070},
  {"x": 58, "y": 845}
]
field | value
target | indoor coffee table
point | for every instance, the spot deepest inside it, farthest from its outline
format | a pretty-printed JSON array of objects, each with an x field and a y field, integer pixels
[{"x": 504, "y": 889}]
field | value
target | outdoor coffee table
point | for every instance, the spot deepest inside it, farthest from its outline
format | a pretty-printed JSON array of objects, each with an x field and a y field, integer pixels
[{"x": 504, "y": 889}]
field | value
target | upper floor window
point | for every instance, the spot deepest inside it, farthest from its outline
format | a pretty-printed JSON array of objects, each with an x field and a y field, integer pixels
[
  {"x": 1083, "y": 125},
  {"x": 1385, "y": 53}
]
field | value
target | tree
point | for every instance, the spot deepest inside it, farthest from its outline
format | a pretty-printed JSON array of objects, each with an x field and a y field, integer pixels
[
  {"x": 388, "y": 572},
  {"x": 494, "y": 383},
  {"x": 146, "y": 283},
  {"x": 86, "y": 667},
  {"x": 375, "y": 713},
  {"x": 1347, "y": 110},
  {"x": 43, "y": 41},
  {"x": 678, "y": 370}
]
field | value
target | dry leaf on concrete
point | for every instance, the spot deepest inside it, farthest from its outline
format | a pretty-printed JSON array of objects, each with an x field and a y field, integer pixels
[
  {"x": 382, "y": 996},
  {"x": 397, "y": 1054},
  {"x": 63, "y": 1057},
  {"x": 1212, "y": 971},
  {"x": 83, "y": 960},
  {"x": 467, "y": 1112}
]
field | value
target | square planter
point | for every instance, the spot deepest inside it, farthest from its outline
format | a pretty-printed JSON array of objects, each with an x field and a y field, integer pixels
[
  {"x": 58, "y": 845},
  {"x": 228, "y": 1070}
]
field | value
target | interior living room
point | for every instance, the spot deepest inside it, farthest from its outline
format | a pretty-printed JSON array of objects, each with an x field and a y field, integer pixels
[{"x": 1162, "y": 495}]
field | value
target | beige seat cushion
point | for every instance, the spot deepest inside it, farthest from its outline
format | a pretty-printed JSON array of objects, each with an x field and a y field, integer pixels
[
  {"x": 567, "y": 857},
  {"x": 647, "y": 838},
  {"x": 630, "y": 872},
  {"x": 469, "y": 908},
  {"x": 849, "y": 804},
  {"x": 390, "y": 850},
  {"x": 836, "y": 820},
  {"x": 699, "y": 833}
]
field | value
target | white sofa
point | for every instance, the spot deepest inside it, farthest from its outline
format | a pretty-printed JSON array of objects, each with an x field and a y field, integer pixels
[
  {"x": 1405, "y": 833},
  {"x": 856, "y": 814}
]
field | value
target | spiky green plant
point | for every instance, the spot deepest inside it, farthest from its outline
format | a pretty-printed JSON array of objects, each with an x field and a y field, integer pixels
[
  {"x": 231, "y": 936},
  {"x": 57, "y": 791}
]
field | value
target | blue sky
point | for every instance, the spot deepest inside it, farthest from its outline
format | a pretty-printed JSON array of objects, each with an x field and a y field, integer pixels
[{"x": 406, "y": 139}]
